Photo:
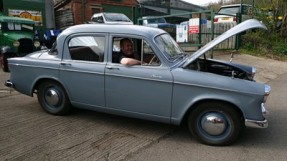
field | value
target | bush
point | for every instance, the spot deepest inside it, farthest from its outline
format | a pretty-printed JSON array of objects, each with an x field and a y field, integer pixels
[{"x": 264, "y": 43}]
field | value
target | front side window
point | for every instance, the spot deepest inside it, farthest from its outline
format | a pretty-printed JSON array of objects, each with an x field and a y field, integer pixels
[
  {"x": 134, "y": 48},
  {"x": 87, "y": 48}
]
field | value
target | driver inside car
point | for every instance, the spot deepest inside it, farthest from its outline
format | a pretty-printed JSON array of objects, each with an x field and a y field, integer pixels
[{"x": 127, "y": 57}]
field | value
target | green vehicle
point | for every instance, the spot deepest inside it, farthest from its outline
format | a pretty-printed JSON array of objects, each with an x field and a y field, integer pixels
[{"x": 16, "y": 38}]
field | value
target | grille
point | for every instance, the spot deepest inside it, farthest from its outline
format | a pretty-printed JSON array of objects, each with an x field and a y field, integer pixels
[{"x": 26, "y": 46}]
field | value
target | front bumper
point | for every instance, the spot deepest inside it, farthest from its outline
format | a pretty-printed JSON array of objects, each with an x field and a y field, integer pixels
[
  {"x": 256, "y": 123},
  {"x": 9, "y": 84}
]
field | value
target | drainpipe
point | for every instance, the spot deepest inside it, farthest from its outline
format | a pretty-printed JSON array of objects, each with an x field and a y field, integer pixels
[{"x": 83, "y": 10}]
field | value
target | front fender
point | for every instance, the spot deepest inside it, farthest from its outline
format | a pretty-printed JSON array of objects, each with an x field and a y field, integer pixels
[{"x": 7, "y": 51}]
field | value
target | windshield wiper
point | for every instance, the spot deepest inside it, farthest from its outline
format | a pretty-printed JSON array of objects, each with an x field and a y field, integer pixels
[{"x": 178, "y": 56}]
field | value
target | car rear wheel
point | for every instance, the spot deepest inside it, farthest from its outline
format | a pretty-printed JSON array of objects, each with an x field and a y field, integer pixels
[
  {"x": 215, "y": 123},
  {"x": 53, "y": 98}
]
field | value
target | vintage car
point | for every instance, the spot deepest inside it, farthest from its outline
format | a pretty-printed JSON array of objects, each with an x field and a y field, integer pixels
[
  {"x": 16, "y": 38},
  {"x": 159, "y": 22},
  {"x": 217, "y": 99}
]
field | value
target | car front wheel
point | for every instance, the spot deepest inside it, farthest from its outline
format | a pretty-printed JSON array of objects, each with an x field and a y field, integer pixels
[
  {"x": 53, "y": 98},
  {"x": 215, "y": 123}
]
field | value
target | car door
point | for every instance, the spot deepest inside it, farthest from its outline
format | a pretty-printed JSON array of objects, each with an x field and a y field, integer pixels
[
  {"x": 139, "y": 90},
  {"x": 82, "y": 69}
]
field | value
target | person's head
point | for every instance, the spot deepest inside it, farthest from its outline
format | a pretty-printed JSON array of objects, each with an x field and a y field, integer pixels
[{"x": 126, "y": 46}]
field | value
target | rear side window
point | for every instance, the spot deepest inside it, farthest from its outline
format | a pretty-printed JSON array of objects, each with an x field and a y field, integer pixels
[
  {"x": 87, "y": 48},
  {"x": 98, "y": 19}
]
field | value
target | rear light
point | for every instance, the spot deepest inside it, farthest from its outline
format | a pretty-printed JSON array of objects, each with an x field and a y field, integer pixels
[
  {"x": 234, "y": 19},
  {"x": 215, "y": 20}
]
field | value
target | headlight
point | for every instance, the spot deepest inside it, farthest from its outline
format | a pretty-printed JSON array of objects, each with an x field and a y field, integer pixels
[
  {"x": 267, "y": 92},
  {"x": 253, "y": 72},
  {"x": 36, "y": 43},
  {"x": 16, "y": 43}
]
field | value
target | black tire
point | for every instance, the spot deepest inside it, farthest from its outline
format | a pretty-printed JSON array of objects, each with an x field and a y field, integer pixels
[
  {"x": 215, "y": 123},
  {"x": 53, "y": 98}
]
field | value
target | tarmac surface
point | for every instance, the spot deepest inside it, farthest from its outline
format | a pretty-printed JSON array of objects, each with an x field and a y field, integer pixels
[{"x": 28, "y": 133}]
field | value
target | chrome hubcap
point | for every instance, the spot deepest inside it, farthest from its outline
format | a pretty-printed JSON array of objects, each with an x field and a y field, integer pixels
[
  {"x": 52, "y": 97},
  {"x": 213, "y": 123}
]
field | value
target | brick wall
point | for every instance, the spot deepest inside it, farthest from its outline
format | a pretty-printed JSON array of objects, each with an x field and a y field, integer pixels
[{"x": 77, "y": 8}]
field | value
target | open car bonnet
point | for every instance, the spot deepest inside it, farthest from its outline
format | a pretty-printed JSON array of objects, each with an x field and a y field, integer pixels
[{"x": 246, "y": 25}]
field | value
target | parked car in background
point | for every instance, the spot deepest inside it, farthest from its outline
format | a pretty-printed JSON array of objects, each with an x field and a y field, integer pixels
[
  {"x": 111, "y": 18},
  {"x": 159, "y": 22},
  {"x": 228, "y": 13},
  {"x": 16, "y": 38},
  {"x": 216, "y": 98}
]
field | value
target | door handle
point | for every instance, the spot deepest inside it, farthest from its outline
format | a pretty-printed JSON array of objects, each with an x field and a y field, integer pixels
[
  {"x": 66, "y": 64},
  {"x": 110, "y": 67}
]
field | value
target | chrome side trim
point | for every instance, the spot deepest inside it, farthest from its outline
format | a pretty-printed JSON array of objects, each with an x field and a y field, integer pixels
[{"x": 256, "y": 124}]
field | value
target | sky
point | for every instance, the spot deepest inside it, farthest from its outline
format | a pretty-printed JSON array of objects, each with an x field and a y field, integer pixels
[{"x": 200, "y": 2}]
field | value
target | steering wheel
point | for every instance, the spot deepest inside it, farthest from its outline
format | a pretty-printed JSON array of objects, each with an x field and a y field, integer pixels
[{"x": 151, "y": 60}]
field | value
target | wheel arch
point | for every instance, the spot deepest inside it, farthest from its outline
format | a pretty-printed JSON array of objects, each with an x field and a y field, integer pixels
[
  {"x": 197, "y": 103},
  {"x": 41, "y": 80}
]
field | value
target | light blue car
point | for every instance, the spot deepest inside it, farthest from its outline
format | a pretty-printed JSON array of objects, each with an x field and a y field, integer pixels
[{"x": 217, "y": 99}]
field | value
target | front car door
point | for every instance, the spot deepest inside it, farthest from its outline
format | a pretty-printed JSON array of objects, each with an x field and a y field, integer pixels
[{"x": 142, "y": 91}]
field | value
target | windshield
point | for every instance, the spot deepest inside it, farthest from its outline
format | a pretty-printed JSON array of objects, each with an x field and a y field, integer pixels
[
  {"x": 169, "y": 47},
  {"x": 116, "y": 17},
  {"x": 10, "y": 26},
  {"x": 229, "y": 10},
  {"x": 156, "y": 20},
  {"x": 53, "y": 50}
]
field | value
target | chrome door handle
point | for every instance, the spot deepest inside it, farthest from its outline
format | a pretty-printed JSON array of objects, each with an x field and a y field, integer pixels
[
  {"x": 67, "y": 64},
  {"x": 110, "y": 67}
]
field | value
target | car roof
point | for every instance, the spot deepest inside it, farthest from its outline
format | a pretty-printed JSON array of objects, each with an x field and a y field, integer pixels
[
  {"x": 138, "y": 30},
  {"x": 4, "y": 18},
  {"x": 102, "y": 13},
  {"x": 110, "y": 28},
  {"x": 235, "y": 5}
]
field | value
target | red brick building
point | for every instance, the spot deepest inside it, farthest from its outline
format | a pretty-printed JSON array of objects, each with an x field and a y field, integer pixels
[{"x": 72, "y": 12}]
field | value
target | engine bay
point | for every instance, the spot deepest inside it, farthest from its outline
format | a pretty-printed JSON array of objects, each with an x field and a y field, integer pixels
[{"x": 228, "y": 69}]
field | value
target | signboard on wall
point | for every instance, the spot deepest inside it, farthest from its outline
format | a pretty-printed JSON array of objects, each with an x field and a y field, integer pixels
[
  {"x": 193, "y": 26},
  {"x": 36, "y": 16},
  {"x": 181, "y": 33}
]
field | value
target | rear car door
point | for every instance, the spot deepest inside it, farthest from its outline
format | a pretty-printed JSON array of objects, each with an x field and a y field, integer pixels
[{"x": 82, "y": 71}]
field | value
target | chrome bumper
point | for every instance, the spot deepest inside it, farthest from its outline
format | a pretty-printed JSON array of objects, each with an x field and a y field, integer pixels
[
  {"x": 256, "y": 123},
  {"x": 9, "y": 84}
]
